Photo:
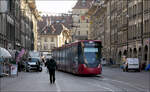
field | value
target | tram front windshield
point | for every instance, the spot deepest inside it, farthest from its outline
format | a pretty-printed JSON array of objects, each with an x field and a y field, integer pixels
[{"x": 91, "y": 55}]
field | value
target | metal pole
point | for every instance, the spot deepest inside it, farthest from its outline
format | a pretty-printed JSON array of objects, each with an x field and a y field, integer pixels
[
  {"x": 110, "y": 25},
  {"x": 14, "y": 28},
  {"x": 6, "y": 32},
  {"x": 20, "y": 24},
  {"x": 127, "y": 28}
]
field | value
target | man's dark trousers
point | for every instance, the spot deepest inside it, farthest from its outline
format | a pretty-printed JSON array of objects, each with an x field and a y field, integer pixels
[{"x": 52, "y": 75}]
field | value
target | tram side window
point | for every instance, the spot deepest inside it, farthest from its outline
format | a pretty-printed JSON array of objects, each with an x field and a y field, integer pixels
[
  {"x": 80, "y": 54},
  {"x": 57, "y": 58},
  {"x": 70, "y": 54},
  {"x": 70, "y": 51},
  {"x": 63, "y": 54},
  {"x": 75, "y": 54},
  {"x": 57, "y": 55},
  {"x": 60, "y": 55},
  {"x": 66, "y": 56}
]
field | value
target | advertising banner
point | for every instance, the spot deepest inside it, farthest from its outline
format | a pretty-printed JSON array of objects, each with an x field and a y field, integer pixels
[{"x": 14, "y": 69}]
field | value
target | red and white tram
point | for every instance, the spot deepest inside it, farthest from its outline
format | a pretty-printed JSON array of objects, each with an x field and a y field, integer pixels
[{"x": 82, "y": 57}]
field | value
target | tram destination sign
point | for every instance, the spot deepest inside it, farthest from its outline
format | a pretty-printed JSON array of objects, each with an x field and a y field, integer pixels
[{"x": 87, "y": 44}]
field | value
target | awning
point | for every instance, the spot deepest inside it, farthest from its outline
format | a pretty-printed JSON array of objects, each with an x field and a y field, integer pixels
[{"x": 4, "y": 53}]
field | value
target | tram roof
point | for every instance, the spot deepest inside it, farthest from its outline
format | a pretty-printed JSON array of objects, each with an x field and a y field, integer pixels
[{"x": 75, "y": 43}]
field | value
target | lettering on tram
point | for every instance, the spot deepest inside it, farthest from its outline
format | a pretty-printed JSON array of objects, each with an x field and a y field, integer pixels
[{"x": 82, "y": 57}]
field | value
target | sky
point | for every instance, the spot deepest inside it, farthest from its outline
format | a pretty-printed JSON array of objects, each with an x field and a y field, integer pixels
[{"x": 53, "y": 7}]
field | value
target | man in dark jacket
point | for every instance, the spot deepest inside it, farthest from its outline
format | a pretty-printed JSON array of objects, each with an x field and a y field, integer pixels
[{"x": 51, "y": 66}]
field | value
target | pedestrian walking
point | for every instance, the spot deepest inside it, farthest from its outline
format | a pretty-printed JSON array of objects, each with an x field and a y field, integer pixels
[
  {"x": 111, "y": 61},
  {"x": 43, "y": 60},
  {"x": 51, "y": 66}
]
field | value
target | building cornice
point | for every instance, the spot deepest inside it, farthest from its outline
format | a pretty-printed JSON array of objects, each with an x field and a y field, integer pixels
[
  {"x": 91, "y": 10},
  {"x": 95, "y": 7},
  {"x": 35, "y": 12},
  {"x": 32, "y": 4}
]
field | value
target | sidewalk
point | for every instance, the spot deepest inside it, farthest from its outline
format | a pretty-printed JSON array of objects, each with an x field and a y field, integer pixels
[
  {"x": 117, "y": 67},
  {"x": 9, "y": 80}
]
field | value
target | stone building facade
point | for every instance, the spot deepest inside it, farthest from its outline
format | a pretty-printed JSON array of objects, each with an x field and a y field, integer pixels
[
  {"x": 80, "y": 29},
  {"x": 127, "y": 28},
  {"x": 10, "y": 24},
  {"x": 130, "y": 32},
  {"x": 99, "y": 25},
  {"x": 18, "y": 24},
  {"x": 29, "y": 18},
  {"x": 52, "y": 33}
]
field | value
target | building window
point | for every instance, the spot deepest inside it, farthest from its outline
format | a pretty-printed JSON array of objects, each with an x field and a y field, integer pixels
[
  {"x": 45, "y": 39},
  {"x": 52, "y": 39},
  {"x": 78, "y": 32},
  {"x": 52, "y": 46},
  {"x": 45, "y": 46},
  {"x": 87, "y": 21}
]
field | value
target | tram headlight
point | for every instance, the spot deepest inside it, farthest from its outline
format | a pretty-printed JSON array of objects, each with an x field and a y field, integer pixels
[
  {"x": 99, "y": 66},
  {"x": 84, "y": 65}
]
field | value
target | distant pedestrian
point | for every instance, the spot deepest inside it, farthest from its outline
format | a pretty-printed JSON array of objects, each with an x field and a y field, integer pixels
[
  {"x": 43, "y": 60},
  {"x": 51, "y": 66},
  {"x": 111, "y": 61}
]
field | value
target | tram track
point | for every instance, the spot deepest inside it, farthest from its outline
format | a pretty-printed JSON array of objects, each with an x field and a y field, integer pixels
[{"x": 124, "y": 86}]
